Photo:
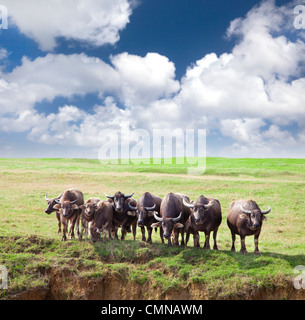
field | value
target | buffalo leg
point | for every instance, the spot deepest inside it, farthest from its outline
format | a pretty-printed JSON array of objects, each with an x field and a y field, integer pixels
[
  {"x": 169, "y": 242},
  {"x": 187, "y": 236},
  {"x": 161, "y": 235},
  {"x": 214, "y": 238},
  {"x": 182, "y": 236},
  {"x": 176, "y": 237},
  {"x": 243, "y": 245},
  {"x": 59, "y": 221},
  {"x": 134, "y": 230},
  {"x": 143, "y": 234},
  {"x": 78, "y": 217},
  {"x": 123, "y": 232},
  {"x": 83, "y": 223},
  {"x": 207, "y": 241},
  {"x": 149, "y": 232},
  {"x": 196, "y": 240},
  {"x": 64, "y": 222},
  {"x": 233, "y": 241},
  {"x": 256, "y": 250}
]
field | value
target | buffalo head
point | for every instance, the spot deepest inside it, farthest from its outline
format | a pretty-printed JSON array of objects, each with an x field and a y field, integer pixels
[
  {"x": 67, "y": 207},
  {"x": 256, "y": 216},
  {"x": 145, "y": 212},
  {"x": 119, "y": 200},
  {"x": 199, "y": 209},
  {"x": 168, "y": 224}
]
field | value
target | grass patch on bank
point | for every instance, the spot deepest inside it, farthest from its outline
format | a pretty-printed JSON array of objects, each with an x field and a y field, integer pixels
[{"x": 30, "y": 246}]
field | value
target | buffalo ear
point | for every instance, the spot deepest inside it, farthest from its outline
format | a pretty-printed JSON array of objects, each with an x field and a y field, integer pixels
[
  {"x": 131, "y": 213},
  {"x": 178, "y": 225},
  {"x": 243, "y": 216},
  {"x": 156, "y": 225},
  {"x": 82, "y": 207},
  {"x": 264, "y": 218},
  {"x": 57, "y": 206}
]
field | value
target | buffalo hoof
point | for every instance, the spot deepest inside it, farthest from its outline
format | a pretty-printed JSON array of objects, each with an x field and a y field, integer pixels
[{"x": 257, "y": 253}]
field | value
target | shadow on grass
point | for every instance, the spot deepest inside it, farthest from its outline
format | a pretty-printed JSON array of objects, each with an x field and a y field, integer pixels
[{"x": 131, "y": 251}]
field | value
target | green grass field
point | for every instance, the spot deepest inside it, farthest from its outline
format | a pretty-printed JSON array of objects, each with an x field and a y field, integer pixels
[{"x": 36, "y": 258}]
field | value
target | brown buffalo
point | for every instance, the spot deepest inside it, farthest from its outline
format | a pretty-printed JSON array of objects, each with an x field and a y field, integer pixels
[
  {"x": 51, "y": 203},
  {"x": 245, "y": 218},
  {"x": 68, "y": 205},
  {"x": 173, "y": 217},
  {"x": 206, "y": 217},
  {"x": 102, "y": 221},
  {"x": 124, "y": 213},
  {"x": 87, "y": 216},
  {"x": 146, "y": 206}
]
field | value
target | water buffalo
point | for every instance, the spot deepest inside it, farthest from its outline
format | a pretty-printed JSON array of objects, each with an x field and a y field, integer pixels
[
  {"x": 68, "y": 205},
  {"x": 245, "y": 218},
  {"x": 146, "y": 206},
  {"x": 87, "y": 216},
  {"x": 124, "y": 213},
  {"x": 206, "y": 217},
  {"x": 173, "y": 217},
  {"x": 102, "y": 221},
  {"x": 51, "y": 203}
]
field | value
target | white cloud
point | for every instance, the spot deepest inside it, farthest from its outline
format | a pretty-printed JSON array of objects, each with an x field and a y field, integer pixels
[
  {"x": 51, "y": 76},
  {"x": 250, "y": 95},
  {"x": 145, "y": 79},
  {"x": 96, "y": 22}
]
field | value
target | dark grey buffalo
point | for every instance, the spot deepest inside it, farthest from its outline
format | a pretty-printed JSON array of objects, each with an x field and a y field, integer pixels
[
  {"x": 51, "y": 203},
  {"x": 124, "y": 213},
  {"x": 102, "y": 221},
  {"x": 69, "y": 208},
  {"x": 205, "y": 217},
  {"x": 245, "y": 218},
  {"x": 147, "y": 205},
  {"x": 173, "y": 215},
  {"x": 88, "y": 214}
]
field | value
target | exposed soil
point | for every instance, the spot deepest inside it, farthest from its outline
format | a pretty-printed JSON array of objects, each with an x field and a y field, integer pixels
[{"x": 64, "y": 285}]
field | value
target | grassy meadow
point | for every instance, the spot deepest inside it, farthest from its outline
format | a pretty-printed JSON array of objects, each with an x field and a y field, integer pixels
[{"x": 31, "y": 249}]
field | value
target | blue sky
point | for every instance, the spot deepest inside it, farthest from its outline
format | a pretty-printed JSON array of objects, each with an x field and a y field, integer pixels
[{"x": 70, "y": 71}]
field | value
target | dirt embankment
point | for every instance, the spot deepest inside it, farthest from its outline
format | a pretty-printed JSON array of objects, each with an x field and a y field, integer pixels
[{"x": 64, "y": 285}]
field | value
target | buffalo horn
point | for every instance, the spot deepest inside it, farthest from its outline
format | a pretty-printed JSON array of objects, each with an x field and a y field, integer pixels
[
  {"x": 178, "y": 218},
  {"x": 74, "y": 201},
  {"x": 158, "y": 218},
  {"x": 209, "y": 205},
  {"x": 131, "y": 207},
  {"x": 128, "y": 196},
  {"x": 150, "y": 208},
  {"x": 47, "y": 199},
  {"x": 57, "y": 201},
  {"x": 244, "y": 210},
  {"x": 110, "y": 197},
  {"x": 189, "y": 205},
  {"x": 267, "y": 211}
]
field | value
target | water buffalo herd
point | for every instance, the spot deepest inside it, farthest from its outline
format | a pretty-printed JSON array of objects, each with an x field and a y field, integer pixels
[{"x": 175, "y": 215}]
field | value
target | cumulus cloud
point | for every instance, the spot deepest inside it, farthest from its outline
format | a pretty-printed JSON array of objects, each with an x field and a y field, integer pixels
[
  {"x": 96, "y": 22},
  {"x": 145, "y": 79},
  {"x": 51, "y": 76},
  {"x": 250, "y": 95}
]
